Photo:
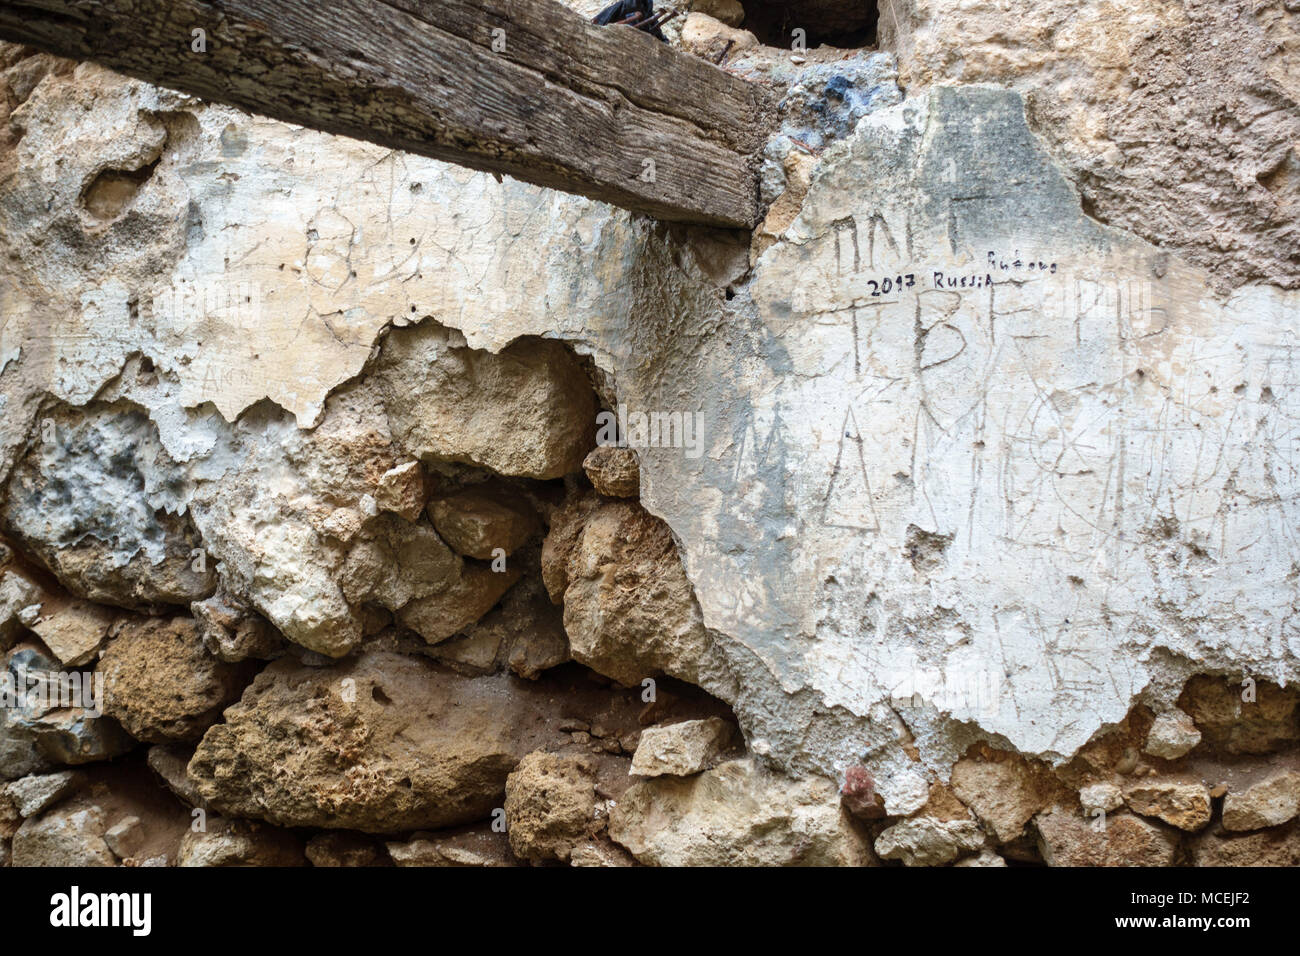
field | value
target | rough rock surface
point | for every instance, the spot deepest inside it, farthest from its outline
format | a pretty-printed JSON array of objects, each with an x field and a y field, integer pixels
[
  {"x": 1004, "y": 792},
  {"x": 240, "y": 843},
  {"x": 59, "y": 838},
  {"x": 470, "y": 846},
  {"x": 1184, "y": 805},
  {"x": 736, "y": 815},
  {"x": 628, "y": 609},
  {"x": 1232, "y": 724},
  {"x": 1102, "y": 78},
  {"x": 993, "y": 423},
  {"x": 550, "y": 805},
  {"x": 160, "y": 682},
  {"x": 380, "y": 743},
  {"x": 1276, "y": 847},
  {"x": 1267, "y": 803},
  {"x": 682, "y": 749},
  {"x": 81, "y": 501},
  {"x": 614, "y": 472},
  {"x": 478, "y": 522},
  {"x": 1172, "y": 735},
  {"x": 73, "y": 630},
  {"x": 1065, "y": 838},
  {"x": 925, "y": 841}
]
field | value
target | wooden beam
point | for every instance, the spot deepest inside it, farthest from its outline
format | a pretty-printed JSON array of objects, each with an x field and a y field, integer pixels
[{"x": 527, "y": 88}]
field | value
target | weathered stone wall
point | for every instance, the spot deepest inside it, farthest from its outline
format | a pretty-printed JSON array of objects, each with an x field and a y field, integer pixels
[{"x": 984, "y": 529}]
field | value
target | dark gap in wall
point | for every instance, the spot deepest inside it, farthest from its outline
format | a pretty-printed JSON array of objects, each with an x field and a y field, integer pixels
[{"x": 846, "y": 24}]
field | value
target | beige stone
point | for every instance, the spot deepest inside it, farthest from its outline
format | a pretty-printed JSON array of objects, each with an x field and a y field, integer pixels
[
  {"x": 393, "y": 562},
  {"x": 73, "y": 630},
  {"x": 452, "y": 610},
  {"x": 1279, "y": 846},
  {"x": 1227, "y": 723},
  {"x": 33, "y": 794},
  {"x": 17, "y": 592},
  {"x": 925, "y": 841},
  {"x": 682, "y": 749},
  {"x": 343, "y": 848},
  {"x": 1172, "y": 735},
  {"x": 528, "y": 411},
  {"x": 125, "y": 837},
  {"x": 58, "y": 838},
  {"x": 1003, "y": 793},
  {"x": 550, "y": 805},
  {"x": 1267, "y": 803},
  {"x": 614, "y": 472},
  {"x": 478, "y": 522},
  {"x": 381, "y": 743},
  {"x": 160, "y": 682},
  {"x": 1066, "y": 838},
  {"x": 1184, "y": 805},
  {"x": 629, "y": 609},
  {"x": 402, "y": 490},
  {"x": 479, "y": 846},
  {"x": 706, "y": 37},
  {"x": 736, "y": 815}
]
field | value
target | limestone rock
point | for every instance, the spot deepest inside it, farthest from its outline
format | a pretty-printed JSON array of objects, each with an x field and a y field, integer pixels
[
  {"x": 341, "y": 848},
  {"x": 1065, "y": 838},
  {"x": 476, "y": 522},
  {"x": 1231, "y": 725},
  {"x": 394, "y": 562},
  {"x": 381, "y": 743},
  {"x": 614, "y": 472},
  {"x": 33, "y": 794},
  {"x": 736, "y": 815},
  {"x": 1267, "y": 803},
  {"x": 1004, "y": 793},
  {"x": 925, "y": 841},
  {"x": 1172, "y": 735},
  {"x": 240, "y": 843},
  {"x": 566, "y": 526},
  {"x": 73, "y": 630},
  {"x": 550, "y": 805},
  {"x": 58, "y": 838},
  {"x": 527, "y": 411},
  {"x": 525, "y": 633},
  {"x": 81, "y": 503},
  {"x": 629, "y": 609},
  {"x": 447, "y": 612},
  {"x": 707, "y": 37},
  {"x": 160, "y": 682},
  {"x": 468, "y": 846},
  {"x": 1279, "y": 846},
  {"x": 682, "y": 749},
  {"x": 234, "y": 633},
  {"x": 125, "y": 837},
  {"x": 1184, "y": 805},
  {"x": 1101, "y": 796},
  {"x": 17, "y": 592},
  {"x": 402, "y": 490}
]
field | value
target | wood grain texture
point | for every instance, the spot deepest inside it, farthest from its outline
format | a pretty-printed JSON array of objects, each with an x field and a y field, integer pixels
[{"x": 566, "y": 104}]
